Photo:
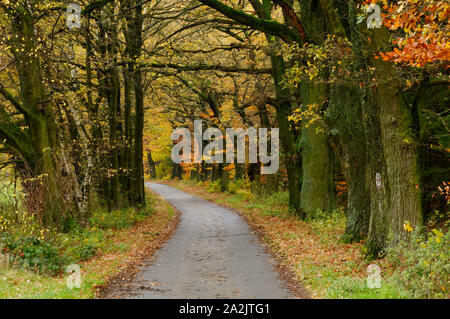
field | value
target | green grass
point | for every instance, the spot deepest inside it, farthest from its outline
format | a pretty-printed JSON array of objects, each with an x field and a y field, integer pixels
[
  {"x": 29, "y": 246},
  {"x": 416, "y": 267},
  {"x": 353, "y": 288},
  {"x": 25, "y": 284},
  {"x": 119, "y": 219},
  {"x": 33, "y": 261}
]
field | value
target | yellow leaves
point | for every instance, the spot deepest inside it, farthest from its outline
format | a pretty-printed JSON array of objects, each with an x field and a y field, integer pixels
[
  {"x": 307, "y": 115},
  {"x": 438, "y": 234},
  {"x": 407, "y": 227},
  {"x": 4, "y": 223},
  {"x": 313, "y": 61},
  {"x": 437, "y": 238}
]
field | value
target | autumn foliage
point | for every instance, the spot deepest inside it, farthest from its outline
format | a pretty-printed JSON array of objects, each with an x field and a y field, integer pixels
[{"x": 421, "y": 32}]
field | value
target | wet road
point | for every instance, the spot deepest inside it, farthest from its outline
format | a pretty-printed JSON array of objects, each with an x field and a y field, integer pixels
[{"x": 212, "y": 254}]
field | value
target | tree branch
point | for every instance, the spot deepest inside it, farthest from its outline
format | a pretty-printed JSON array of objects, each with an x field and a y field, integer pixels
[
  {"x": 289, "y": 11},
  {"x": 19, "y": 106},
  {"x": 95, "y": 5},
  {"x": 206, "y": 67},
  {"x": 267, "y": 26}
]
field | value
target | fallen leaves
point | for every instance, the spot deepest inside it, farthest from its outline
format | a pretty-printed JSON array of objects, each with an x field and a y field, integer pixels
[
  {"x": 311, "y": 250},
  {"x": 143, "y": 240}
]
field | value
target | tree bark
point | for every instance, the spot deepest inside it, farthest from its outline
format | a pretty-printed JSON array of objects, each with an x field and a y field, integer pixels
[
  {"x": 134, "y": 41},
  {"x": 35, "y": 107},
  {"x": 344, "y": 118},
  {"x": 317, "y": 192},
  {"x": 393, "y": 165}
]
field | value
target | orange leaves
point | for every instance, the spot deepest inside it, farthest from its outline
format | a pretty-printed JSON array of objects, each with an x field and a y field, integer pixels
[
  {"x": 418, "y": 52},
  {"x": 424, "y": 29},
  {"x": 207, "y": 116},
  {"x": 445, "y": 190},
  {"x": 341, "y": 188},
  {"x": 229, "y": 167}
]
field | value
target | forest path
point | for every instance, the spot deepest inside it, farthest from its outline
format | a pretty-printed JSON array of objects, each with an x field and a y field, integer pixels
[{"x": 212, "y": 254}]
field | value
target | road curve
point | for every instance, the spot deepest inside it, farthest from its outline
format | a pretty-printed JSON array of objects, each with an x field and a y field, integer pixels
[{"x": 212, "y": 254}]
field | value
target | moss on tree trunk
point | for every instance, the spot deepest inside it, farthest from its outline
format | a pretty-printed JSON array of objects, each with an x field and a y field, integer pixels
[
  {"x": 344, "y": 117},
  {"x": 317, "y": 192}
]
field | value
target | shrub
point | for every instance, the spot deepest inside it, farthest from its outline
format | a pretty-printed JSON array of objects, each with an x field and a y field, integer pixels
[
  {"x": 81, "y": 244},
  {"x": 278, "y": 198},
  {"x": 33, "y": 253},
  {"x": 119, "y": 219},
  {"x": 236, "y": 186},
  {"x": 27, "y": 244},
  {"x": 214, "y": 187},
  {"x": 423, "y": 263},
  {"x": 422, "y": 266}
]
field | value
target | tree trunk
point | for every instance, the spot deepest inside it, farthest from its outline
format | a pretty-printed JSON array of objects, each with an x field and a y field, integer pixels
[
  {"x": 393, "y": 167},
  {"x": 39, "y": 118},
  {"x": 177, "y": 171},
  {"x": 344, "y": 117},
  {"x": 128, "y": 136},
  {"x": 114, "y": 104},
  {"x": 317, "y": 192},
  {"x": 287, "y": 135},
  {"x": 134, "y": 42},
  {"x": 151, "y": 165},
  {"x": 284, "y": 110}
]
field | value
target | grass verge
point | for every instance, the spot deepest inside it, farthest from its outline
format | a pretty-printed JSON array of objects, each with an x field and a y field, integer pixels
[
  {"x": 117, "y": 243},
  {"x": 320, "y": 261}
]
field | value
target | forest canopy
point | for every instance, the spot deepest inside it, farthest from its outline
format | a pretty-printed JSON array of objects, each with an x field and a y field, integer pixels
[{"x": 89, "y": 96}]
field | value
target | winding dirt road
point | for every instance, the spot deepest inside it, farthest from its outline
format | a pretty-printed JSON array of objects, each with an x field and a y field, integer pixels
[{"x": 212, "y": 254}]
